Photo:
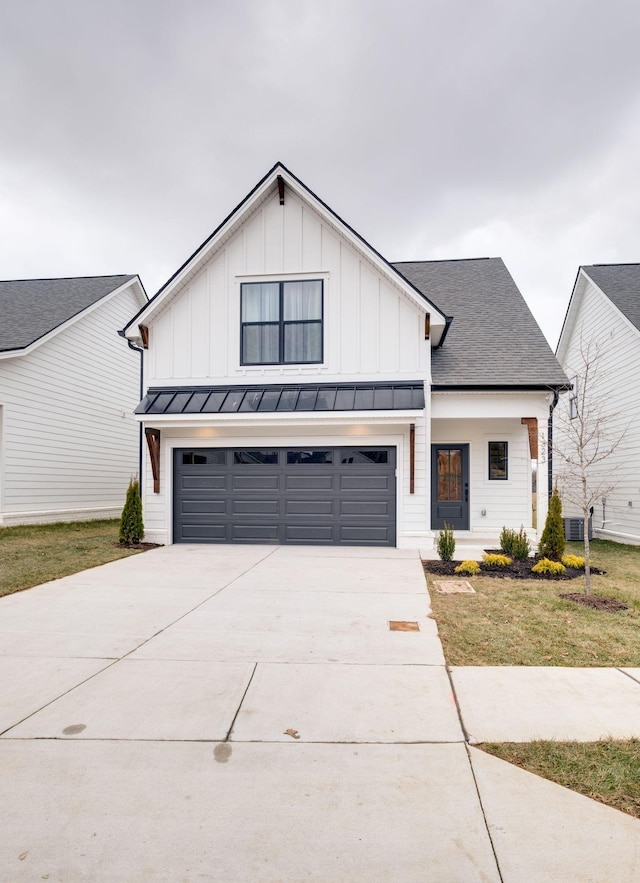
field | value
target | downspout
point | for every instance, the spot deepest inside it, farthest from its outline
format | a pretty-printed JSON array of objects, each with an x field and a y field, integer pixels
[
  {"x": 137, "y": 349},
  {"x": 552, "y": 406}
]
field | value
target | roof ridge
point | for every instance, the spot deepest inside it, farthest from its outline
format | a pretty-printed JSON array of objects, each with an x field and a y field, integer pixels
[
  {"x": 445, "y": 260},
  {"x": 69, "y": 278}
]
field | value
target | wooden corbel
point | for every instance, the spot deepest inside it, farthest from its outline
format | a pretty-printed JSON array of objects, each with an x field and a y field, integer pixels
[
  {"x": 153, "y": 443},
  {"x": 427, "y": 326},
  {"x": 532, "y": 425},
  {"x": 281, "y": 189},
  {"x": 144, "y": 334}
]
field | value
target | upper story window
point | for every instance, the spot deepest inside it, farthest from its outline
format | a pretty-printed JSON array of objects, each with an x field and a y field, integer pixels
[{"x": 281, "y": 322}]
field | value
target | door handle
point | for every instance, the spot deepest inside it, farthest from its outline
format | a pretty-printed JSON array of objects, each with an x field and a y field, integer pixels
[{"x": 466, "y": 492}]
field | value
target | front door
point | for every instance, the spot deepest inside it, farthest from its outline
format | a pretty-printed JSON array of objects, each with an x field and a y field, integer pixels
[{"x": 450, "y": 486}]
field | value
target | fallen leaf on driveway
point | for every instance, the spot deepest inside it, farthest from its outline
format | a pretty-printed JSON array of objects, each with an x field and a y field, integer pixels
[{"x": 294, "y": 733}]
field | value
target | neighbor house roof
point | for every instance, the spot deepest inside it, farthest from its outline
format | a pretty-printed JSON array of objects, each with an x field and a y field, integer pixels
[
  {"x": 621, "y": 284},
  {"x": 493, "y": 341},
  {"x": 31, "y": 308}
]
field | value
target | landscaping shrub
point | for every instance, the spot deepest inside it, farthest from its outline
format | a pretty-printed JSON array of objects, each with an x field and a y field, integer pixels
[
  {"x": 507, "y": 539},
  {"x": 446, "y": 543},
  {"x": 468, "y": 568},
  {"x": 547, "y": 566},
  {"x": 575, "y": 561},
  {"x": 131, "y": 526},
  {"x": 496, "y": 560},
  {"x": 552, "y": 541},
  {"x": 520, "y": 546}
]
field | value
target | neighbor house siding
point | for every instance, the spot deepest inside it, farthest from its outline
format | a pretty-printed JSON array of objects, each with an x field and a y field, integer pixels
[
  {"x": 371, "y": 329},
  {"x": 70, "y": 440},
  {"x": 597, "y": 322}
]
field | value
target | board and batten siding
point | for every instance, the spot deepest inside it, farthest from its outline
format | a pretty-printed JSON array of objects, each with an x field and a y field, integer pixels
[
  {"x": 69, "y": 441},
  {"x": 371, "y": 328},
  {"x": 595, "y": 319}
]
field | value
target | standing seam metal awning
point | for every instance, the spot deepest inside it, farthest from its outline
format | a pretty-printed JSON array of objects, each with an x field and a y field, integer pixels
[{"x": 301, "y": 397}]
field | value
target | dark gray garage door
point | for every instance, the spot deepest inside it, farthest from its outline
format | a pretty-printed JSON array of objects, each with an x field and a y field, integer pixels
[{"x": 321, "y": 496}]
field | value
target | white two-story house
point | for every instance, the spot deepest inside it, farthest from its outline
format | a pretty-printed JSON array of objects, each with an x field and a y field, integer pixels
[{"x": 302, "y": 389}]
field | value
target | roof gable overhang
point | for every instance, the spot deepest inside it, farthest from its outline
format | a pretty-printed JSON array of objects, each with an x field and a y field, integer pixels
[
  {"x": 278, "y": 179},
  {"x": 134, "y": 283},
  {"x": 582, "y": 283}
]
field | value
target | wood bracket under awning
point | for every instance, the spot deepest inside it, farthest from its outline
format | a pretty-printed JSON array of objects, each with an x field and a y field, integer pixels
[
  {"x": 281, "y": 189},
  {"x": 532, "y": 425},
  {"x": 153, "y": 443}
]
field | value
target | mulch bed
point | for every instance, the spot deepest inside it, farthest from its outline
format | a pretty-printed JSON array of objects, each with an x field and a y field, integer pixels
[
  {"x": 596, "y": 602},
  {"x": 515, "y": 570},
  {"x": 142, "y": 547}
]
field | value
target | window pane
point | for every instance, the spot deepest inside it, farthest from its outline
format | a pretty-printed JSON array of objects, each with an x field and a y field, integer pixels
[
  {"x": 251, "y": 401},
  {"x": 309, "y": 456},
  {"x": 253, "y": 457},
  {"x": 303, "y": 342},
  {"x": 364, "y": 457},
  {"x": 302, "y": 300},
  {"x": 498, "y": 461},
  {"x": 261, "y": 302},
  {"x": 260, "y": 344}
]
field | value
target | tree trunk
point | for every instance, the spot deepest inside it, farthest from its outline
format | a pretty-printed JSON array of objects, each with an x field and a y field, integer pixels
[{"x": 587, "y": 562}]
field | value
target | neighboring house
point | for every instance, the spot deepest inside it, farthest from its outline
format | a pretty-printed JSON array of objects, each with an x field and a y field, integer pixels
[
  {"x": 68, "y": 384},
  {"x": 301, "y": 389},
  {"x": 604, "y": 315}
]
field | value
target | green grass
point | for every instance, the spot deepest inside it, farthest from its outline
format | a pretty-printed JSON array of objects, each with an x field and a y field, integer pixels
[
  {"x": 525, "y": 622},
  {"x": 33, "y": 554},
  {"x": 605, "y": 771}
]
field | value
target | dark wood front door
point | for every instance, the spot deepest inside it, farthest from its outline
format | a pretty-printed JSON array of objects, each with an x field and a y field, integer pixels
[{"x": 450, "y": 486}]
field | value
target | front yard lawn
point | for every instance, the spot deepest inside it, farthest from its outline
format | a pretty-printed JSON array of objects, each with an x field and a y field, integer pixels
[
  {"x": 525, "y": 622},
  {"x": 33, "y": 554}
]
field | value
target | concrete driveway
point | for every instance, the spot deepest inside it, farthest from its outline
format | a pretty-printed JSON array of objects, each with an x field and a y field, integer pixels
[{"x": 239, "y": 713}]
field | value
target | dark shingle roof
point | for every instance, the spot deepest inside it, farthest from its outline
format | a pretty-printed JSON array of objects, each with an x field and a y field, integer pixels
[
  {"x": 30, "y": 308},
  {"x": 493, "y": 341},
  {"x": 621, "y": 284}
]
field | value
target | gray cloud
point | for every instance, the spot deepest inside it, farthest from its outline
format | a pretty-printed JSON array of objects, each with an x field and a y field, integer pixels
[{"x": 441, "y": 129}]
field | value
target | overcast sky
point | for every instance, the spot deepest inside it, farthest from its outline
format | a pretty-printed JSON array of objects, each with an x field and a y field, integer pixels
[{"x": 129, "y": 130}]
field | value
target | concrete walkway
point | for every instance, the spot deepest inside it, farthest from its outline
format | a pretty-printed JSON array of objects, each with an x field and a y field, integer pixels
[{"x": 246, "y": 714}]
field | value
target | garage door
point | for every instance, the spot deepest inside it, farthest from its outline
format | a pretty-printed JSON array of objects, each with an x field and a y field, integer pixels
[{"x": 321, "y": 496}]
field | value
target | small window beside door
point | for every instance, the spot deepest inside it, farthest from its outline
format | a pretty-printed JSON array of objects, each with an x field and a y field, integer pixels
[{"x": 498, "y": 460}]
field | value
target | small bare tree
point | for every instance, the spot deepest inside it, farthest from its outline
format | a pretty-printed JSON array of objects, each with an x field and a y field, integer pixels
[{"x": 587, "y": 434}]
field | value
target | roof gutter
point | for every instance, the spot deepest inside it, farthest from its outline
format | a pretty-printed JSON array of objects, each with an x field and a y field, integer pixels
[
  {"x": 137, "y": 349},
  {"x": 552, "y": 406}
]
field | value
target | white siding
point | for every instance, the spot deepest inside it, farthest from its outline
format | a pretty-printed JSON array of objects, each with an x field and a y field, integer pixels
[
  {"x": 506, "y": 503},
  {"x": 371, "y": 329},
  {"x": 595, "y": 319},
  {"x": 70, "y": 442}
]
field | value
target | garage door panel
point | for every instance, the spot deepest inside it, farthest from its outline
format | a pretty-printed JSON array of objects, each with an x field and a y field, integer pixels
[
  {"x": 203, "y": 507},
  {"x": 366, "y": 508},
  {"x": 351, "y": 481},
  {"x": 325, "y": 497},
  {"x": 200, "y": 482},
  {"x": 310, "y": 533},
  {"x": 308, "y": 507},
  {"x": 308, "y": 481},
  {"x": 195, "y": 532},
  {"x": 254, "y": 533},
  {"x": 255, "y": 507}
]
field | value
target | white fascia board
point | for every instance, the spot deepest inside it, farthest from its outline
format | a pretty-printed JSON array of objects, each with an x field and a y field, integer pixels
[
  {"x": 237, "y": 218},
  {"x": 291, "y": 418},
  {"x": 582, "y": 280},
  {"x": 12, "y": 354}
]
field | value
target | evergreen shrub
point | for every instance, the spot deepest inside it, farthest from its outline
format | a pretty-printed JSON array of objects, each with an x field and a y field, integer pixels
[
  {"x": 468, "y": 568},
  {"x": 446, "y": 544},
  {"x": 547, "y": 566},
  {"x": 552, "y": 543},
  {"x": 131, "y": 526}
]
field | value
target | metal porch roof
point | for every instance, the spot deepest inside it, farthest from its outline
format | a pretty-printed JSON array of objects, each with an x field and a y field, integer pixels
[{"x": 288, "y": 397}]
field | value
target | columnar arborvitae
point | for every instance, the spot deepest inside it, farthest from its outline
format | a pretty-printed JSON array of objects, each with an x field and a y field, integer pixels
[
  {"x": 552, "y": 542},
  {"x": 131, "y": 526}
]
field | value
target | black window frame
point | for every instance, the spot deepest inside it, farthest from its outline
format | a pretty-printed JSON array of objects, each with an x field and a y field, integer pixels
[
  {"x": 504, "y": 477},
  {"x": 281, "y": 323}
]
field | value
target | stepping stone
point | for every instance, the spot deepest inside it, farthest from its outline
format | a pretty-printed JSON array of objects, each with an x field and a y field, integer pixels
[{"x": 454, "y": 587}]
